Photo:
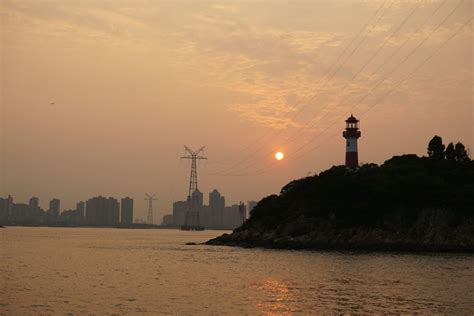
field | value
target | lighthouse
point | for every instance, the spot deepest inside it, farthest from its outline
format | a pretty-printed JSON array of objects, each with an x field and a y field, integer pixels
[{"x": 351, "y": 134}]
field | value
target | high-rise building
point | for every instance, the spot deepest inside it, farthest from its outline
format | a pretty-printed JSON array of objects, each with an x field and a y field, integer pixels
[
  {"x": 215, "y": 215},
  {"x": 216, "y": 207},
  {"x": 20, "y": 213},
  {"x": 6, "y": 209},
  {"x": 102, "y": 211},
  {"x": 126, "y": 211},
  {"x": 3, "y": 210},
  {"x": 179, "y": 212},
  {"x": 216, "y": 200},
  {"x": 54, "y": 209},
  {"x": 232, "y": 217},
  {"x": 81, "y": 208},
  {"x": 36, "y": 214},
  {"x": 197, "y": 200},
  {"x": 9, "y": 205},
  {"x": 113, "y": 212},
  {"x": 242, "y": 213},
  {"x": 71, "y": 217},
  {"x": 194, "y": 211},
  {"x": 95, "y": 210},
  {"x": 251, "y": 205},
  {"x": 34, "y": 202}
]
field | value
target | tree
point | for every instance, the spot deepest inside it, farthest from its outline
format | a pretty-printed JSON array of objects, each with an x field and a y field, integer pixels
[
  {"x": 461, "y": 153},
  {"x": 450, "y": 152},
  {"x": 436, "y": 148}
]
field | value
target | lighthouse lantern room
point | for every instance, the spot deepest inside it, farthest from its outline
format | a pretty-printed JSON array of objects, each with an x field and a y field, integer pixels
[{"x": 351, "y": 134}]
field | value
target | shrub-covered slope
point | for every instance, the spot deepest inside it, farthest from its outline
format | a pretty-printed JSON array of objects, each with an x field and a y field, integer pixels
[{"x": 407, "y": 203}]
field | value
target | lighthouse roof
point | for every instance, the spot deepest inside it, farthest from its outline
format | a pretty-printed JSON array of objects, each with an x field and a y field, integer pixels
[{"x": 352, "y": 119}]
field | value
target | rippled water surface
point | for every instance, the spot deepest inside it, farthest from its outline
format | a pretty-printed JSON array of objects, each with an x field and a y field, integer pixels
[{"x": 119, "y": 271}]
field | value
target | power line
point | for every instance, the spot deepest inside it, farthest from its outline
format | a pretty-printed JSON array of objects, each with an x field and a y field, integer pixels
[
  {"x": 347, "y": 57},
  {"x": 398, "y": 65},
  {"x": 249, "y": 156},
  {"x": 408, "y": 39},
  {"x": 263, "y": 170},
  {"x": 363, "y": 67},
  {"x": 389, "y": 74},
  {"x": 369, "y": 60},
  {"x": 419, "y": 66},
  {"x": 385, "y": 62},
  {"x": 393, "y": 54},
  {"x": 408, "y": 77}
]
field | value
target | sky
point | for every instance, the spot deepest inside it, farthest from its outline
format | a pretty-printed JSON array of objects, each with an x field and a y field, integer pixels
[{"x": 99, "y": 97}]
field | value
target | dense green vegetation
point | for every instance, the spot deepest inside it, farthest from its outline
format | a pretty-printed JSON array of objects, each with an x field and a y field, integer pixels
[{"x": 389, "y": 196}]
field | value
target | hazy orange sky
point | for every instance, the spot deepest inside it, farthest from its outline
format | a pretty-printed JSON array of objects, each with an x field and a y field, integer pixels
[{"x": 134, "y": 81}]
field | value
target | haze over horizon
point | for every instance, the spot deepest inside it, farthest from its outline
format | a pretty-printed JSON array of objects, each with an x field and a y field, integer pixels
[{"x": 99, "y": 97}]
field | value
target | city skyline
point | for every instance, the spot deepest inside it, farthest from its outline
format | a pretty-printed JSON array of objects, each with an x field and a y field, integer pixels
[{"x": 109, "y": 211}]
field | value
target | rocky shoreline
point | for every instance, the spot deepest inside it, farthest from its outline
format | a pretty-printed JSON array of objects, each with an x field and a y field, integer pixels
[
  {"x": 409, "y": 203},
  {"x": 421, "y": 238}
]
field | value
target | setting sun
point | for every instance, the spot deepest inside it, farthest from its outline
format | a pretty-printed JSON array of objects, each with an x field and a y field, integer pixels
[{"x": 279, "y": 155}]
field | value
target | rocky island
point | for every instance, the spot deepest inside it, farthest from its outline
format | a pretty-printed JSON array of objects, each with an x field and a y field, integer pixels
[{"x": 408, "y": 203}]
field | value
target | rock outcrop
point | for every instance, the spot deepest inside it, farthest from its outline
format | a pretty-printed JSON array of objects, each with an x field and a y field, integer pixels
[
  {"x": 424, "y": 236},
  {"x": 407, "y": 204}
]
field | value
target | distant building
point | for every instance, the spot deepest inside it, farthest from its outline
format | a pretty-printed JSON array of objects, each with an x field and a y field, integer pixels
[
  {"x": 36, "y": 214},
  {"x": 7, "y": 211},
  {"x": 81, "y": 208},
  {"x": 20, "y": 214},
  {"x": 179, "y": 212},
  {"x": 213, "y": 216},
  {"x": 216, "y": 208},
  {"x": 242, "y": 213},
  {"x": 9, "y": 205},
  {"x": 34, "y": 203},
  {"x": 251, "y": 205},
  {"x": 54, "y": 210},
  {"x": 168, "y": 220},
  {"x": 3, "y": 211},
  {"x": 194, "y": 210},
  {"x": 197, "y": 200},
  {"x": 126, "y": 211},
  {"x": 113, "y": 211},
  {"x": 71, "y": 218},
  {"x": 102, "y": 211},
  {"x": 231, "y": 217}
]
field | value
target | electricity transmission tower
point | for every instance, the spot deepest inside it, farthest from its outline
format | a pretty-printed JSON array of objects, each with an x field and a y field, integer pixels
[
  {"x": 150, "y": 199},
  {"x": 192, "y": 214}
]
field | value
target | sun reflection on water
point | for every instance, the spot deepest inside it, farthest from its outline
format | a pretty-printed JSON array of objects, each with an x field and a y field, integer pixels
[{"x": 275, "y": 296}]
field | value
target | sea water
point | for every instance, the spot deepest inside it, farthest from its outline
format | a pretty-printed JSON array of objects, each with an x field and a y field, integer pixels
[{"x": 153, "y": 271}]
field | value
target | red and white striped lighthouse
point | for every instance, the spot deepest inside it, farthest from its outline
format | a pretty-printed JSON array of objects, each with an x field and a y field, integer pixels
[{"x": 351, "y": 134}]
